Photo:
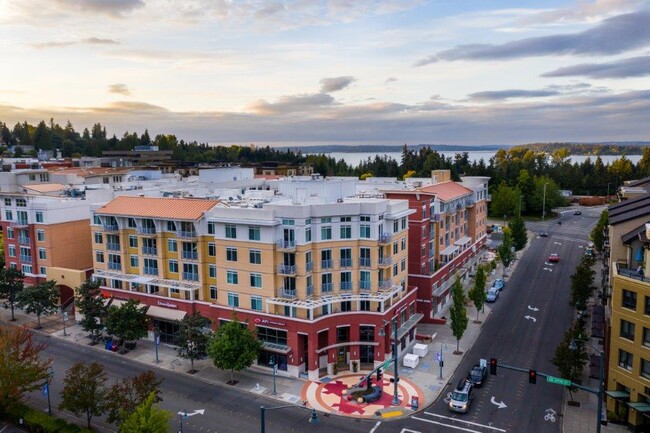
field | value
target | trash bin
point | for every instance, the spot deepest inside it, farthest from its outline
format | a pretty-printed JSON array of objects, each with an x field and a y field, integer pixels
[{"x": 109, "y": 344}]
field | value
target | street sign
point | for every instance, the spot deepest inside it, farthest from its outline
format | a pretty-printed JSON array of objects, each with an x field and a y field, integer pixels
[
  {"x": 438, "y": 357},
  {"x": 558, "y": 380},
  {"x": 386, "y": 364}
]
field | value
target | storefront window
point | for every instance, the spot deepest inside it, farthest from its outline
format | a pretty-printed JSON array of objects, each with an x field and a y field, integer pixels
[{"x": 271, "y": 335}]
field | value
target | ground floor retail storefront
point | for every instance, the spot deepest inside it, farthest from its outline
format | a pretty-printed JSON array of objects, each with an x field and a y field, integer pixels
[{"x": 344, "y": 341}]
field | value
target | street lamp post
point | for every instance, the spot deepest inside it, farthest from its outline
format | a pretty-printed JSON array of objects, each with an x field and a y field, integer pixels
[
  {"x": 313, "y": 417},
  {"x": 156, "y": 342},
  {"x": 50, "y": 374},
  {"x": 544, "y": 203},
  {"x": 393, "y": 323},
  {"x": 64, "y": 315},
  {"x": 273, "y": 363}
]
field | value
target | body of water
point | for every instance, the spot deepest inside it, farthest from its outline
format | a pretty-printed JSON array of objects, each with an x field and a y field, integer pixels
[{"x": 355, "y": 158}]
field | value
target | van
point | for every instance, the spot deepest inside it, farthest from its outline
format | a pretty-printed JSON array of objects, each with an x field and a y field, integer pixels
[{"x": 461, "y": 398}]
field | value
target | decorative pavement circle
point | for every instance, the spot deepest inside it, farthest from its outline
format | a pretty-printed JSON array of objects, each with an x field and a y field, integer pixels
[{"x": 328, "y": 396}]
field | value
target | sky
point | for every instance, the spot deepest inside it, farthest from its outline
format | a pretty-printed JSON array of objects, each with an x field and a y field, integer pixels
[{"x": 305, "y": 72}]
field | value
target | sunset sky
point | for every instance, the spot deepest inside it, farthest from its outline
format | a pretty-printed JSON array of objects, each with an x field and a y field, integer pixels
[{"x": 332, "y": 71}]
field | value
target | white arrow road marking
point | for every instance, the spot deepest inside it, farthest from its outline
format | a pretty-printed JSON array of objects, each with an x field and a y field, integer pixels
[
  {"x": 557, "y": 243},
  {"x": 550, "y": 410},
  {"x": 196, "y": 412},
  {"x": 547, "y": 269},
  {"x": 466, "y": 422},
  {"x": 548, "y": 263},
  {"x": 533, "y": 309},
  {"x": 530, "y": 318},
  {"x": 372, "y": 430},
  {"x": 500, "y": 404},
  {"x": 408, "y": 430}
]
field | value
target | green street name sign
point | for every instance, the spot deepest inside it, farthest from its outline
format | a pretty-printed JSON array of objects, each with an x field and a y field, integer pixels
[
  {"x": 558, "y": 380},
  {"x": 386, "y": 364}
]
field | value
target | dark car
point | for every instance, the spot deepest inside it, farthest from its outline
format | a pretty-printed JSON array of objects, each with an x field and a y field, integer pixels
[
  {"x": 373, "y": 395},
  {"x": 543, "y": 234},
  {"x": 477, "y": 375},
  {"x": 577, "y": 212}
]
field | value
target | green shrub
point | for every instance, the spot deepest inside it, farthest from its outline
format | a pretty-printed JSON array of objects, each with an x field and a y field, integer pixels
[
  {"x": 70, "y": 428},
  {"x": 40, "y": 422},
  {"x": 15, "y": 413}
]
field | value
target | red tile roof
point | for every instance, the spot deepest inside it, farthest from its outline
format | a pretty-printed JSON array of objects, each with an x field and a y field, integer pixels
[
  {"x": 446, "y": 191},
  {"x": 163, "y": 208}
]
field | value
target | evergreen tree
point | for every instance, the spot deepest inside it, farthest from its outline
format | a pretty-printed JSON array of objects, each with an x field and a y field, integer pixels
[
  {"x": 519, "y": 233},
  {"x": 458, "y": 312},
  {"x": 505, "y": 249},
  {"x": 598, "y": 232},
  {"x": 582, "y": 286}
]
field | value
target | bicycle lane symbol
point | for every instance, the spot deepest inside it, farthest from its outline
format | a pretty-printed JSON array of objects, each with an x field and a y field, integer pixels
[{"x": 550, "y": 415}]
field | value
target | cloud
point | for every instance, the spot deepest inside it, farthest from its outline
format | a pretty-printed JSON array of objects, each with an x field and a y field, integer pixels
[
  {"x": 112, "y": 8},
  {"x": 631, "y": 67},
  {"x": 86, "y": 41},
  {"x": 612, "y": 36},
  {"x": 582, "y": 11},
  {"x": 390, "y": 80},
  {"x": 335, "y": 84},
  {"x": 492, "y": 95},
  {"x": 119, "y": 88},
  {"x": 292, "y": 104}
]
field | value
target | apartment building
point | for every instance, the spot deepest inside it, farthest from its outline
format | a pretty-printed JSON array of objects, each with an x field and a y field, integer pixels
[
  {"x": 314, "y": 270},
  {"x": 628, "y": 373},
  {"x": 446, "y": 231}
]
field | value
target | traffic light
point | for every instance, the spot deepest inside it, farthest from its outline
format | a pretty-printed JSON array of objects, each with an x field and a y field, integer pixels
[
  {"x": 532, "y": 376},
  {"x": 380, "y": 374},
  {"x": 493, "y": 366},
  {"x": 369, "y": 382}
]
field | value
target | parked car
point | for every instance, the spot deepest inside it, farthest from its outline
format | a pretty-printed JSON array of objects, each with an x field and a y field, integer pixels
[
  {"x": 554, "y": 258},
  {"x": 577, "y": 212},
  {"x": 499, "y": 284},
  {"x": 477, "y": 375},
  {"x": 492, "y": 295},
  {"x": 543, "y": 234},
  {"x": 461, "y": 398}
]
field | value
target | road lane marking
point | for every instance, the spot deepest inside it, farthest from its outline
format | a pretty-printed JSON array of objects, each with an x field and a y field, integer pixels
[
  {"x": 375, "y": 427},
  {"x": 530, "y": 318},
  {"x": 466, "y": 422},
  {"x": 430, "y": 421},
  {"x": 408, "y": 430}
]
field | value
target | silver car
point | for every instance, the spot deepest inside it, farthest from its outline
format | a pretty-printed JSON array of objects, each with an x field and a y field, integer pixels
[{"x": 461, "y": 398}]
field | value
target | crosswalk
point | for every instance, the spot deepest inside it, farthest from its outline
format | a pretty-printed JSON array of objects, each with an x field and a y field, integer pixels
[{"x": 451, "y": 423}]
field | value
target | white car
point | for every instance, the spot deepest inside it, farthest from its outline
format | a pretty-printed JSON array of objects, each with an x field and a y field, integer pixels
[{"x": 492, "y": 295}]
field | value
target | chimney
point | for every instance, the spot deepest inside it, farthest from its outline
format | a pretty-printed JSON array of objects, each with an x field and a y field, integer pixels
[{"x": 439, "y": 176}]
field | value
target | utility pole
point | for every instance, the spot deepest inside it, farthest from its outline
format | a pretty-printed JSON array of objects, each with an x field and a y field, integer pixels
[{"x": 544, "y": 203}]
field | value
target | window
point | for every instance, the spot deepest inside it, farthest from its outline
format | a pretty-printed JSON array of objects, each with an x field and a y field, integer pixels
[
  {"x": 629, "y": 299},
  {"x": 364, "y": 231},
  {"x": 21, "y": 202},
  {"x": 646, "y": 309},
  {"x": 326, "y": 259},
  {"x": 96, "y": 220},
  {"x": 403, "y": 265},
  {"x": 326, "y": 220},
  {"x": 27, "y": 269},
  {"x": 286, "y": 222},
  {"x": 396, "y": 269},
  {"x": 233, "y": 300},
  {"x": 7, "y": 202},
  {"x": 231, "y": 231},
  {"x": 173, "y": 266},
  {"x": 231, "y": 254},
  {"x": 99, "y": 239},
  {"x": 131, "y": 223},
  {"x": 212, "y": 249},
  {"x": 256, "y": 280},
  {"x": 645, "y": 368},
  {"x": 403, "y": 242},
  {"x": 326, "y": 233},
  {"x": 42, "y": 270},
  {"x": 211, "y": 228},
  {"x": 255, "y": 257},
  {"x": 133, "y": 241},
  {"x": 627, "y": 330},
  {"x": 346, "y": 231},
  {"x": 256, "y": 303},
  {"x": 9, "y": 216},
  {"x": 646, "y": 337},
  {"x": 39, "y": 217},
  {"x": 395, "y": 226},
  {"x": 326, "y": 282},
  {"x": 232, "y": 277},
  {"x": 213, "y": 292},
  {"x": 403, "y": 223},
  {"x": 212, "y": 271},
  {"x": 171, "y": 226},
  {"x": 395, "y": 247},
  {"x": 172, "y": 245},
  {"x": 270, "y": 335},
  {"x": 625, "y": 359},
  {"x": 40, "y": 235},
  {"x": 42, "y": 255},
  {"x": 254, "y": 233},
  {"x": 99, "y": 256},
  {"x": 308, "y": 234},
  {"x": 12, "y": 251},
  {"x": 346, "y": 280}
]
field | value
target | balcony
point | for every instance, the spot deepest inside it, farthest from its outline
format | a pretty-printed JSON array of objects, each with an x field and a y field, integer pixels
[
  {"x": 364, "y": 262},
  {"x": 114, "y": 266},
  {"x": 111, "y": 228},
  {"x": 149, "y": 251},
  {"x": 150, "y": 271},
  {"x": 364, "y": 285},
  {"x": 286, "y": 245},
  {"x": 186, "y": 234},
  {"x": 25, "y": 259},
  {"x": 629, "y": 273},
  {"x": 287, "y": 293},
  {"x": 345, "y": 263},
  {"x": 112, "y": 246},
  {"x": 435, "y": 217},
  {"x": 309, "y": 266},
  {"x": 190, "y": 276},
  {"x": 190, "y": 255},
  {"x": 326, "y": 287},
  {"x": 147, "y": 230},
  {"x": 346, "y": 285},
  {"x": 385, "y": 261},
  {"x": 385, "y": 284},
  {"x": 287, "y": 269},
  {"x": 326, "y": 264},
  {"x": 24, "y": 240},
  {"x": 310, "y": 290},
  {"x": 385, "y": 238}
]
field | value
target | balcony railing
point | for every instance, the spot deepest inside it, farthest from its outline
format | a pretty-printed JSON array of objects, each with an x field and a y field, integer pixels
[
  {"x": 346, "y": 285},
  {"x": 364, "y": 262},
  {"x": 114, "y": 266},
  {"x": 326, "y": 287},
  {"x": 364, "y": 285},
  {"x": 186, "y": 234},
  {"x": 111, "y": 228},
  {"x": 326, "y": 264},
  {"x": 25, "y": 259},
  {"x": 385, "y": 261},
  {"x": 310, "y": 290},
  {"x": 346, "y": 263},
  {"x": 385, "y": 284},
  {"x": 287, "y": 293},
  {"x": 287, "y": 269},
  {"x": 385, "y": 238},
  {"x": 147, "y": 230},
  {"x": 190, "y": 255},
  {"x": 113, "y": 246},
  {"x": 190, "y": 276},
  {"x": 24, "y": 240},
  {"x": 631, "y": 273},
  {"x": 286, "y": 245},
  {"x": 309, "y": 266},
  {"x": 150, "y": 271},
  {"x": 150, "y": 251}
]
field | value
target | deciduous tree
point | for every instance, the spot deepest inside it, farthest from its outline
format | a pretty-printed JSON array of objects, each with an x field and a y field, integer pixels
[
  {"x": 571, "y": 355},
  {"x": 123, "y": 397},
  {"x": 90, "y": 303},
  {"x": 128, "y": 322},
  {"x": 40, "y": 299},
  {"x": 193, "y": 338},
  {"x": 146, "y": 418},
  {"x": 11, "y": 283},
  {"x": 458, "y": 312},
  {"x": 22, "y": 368},
  {"x": 84, "y": 390},
  {"x": 505, "y": 249},
  {"x": 233, "y": 347},
  {"x": 519, "y": 233},
  {"x": 477, "y": 294}
]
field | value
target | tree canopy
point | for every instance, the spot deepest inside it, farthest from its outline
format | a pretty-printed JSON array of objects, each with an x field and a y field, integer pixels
[
  {"x": 458, "y": 312},
  {"x": 233, "y": 347},
  {"x": 84, "y": 390},
  {"x": 43, "y": 298},
  {"x": 128, "y": 322},
  {"x": 90, "y": 303}
]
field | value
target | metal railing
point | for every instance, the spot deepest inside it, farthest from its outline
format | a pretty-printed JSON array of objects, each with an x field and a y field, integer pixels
[
  {"x": 309, "y": 266},
  {"x": 286, "y": 293},
  {"x": 113, "y": 246},
  {"x": 345, "y": 263},
  {"x": 147, "y": 230},
  {"x": 385, "y": 261},
  {"x": 326, "y": 264},
  {"x": 631, "y": 273},
  {"x": 185, "y": 234},
  {"x": 150, "y": 271},
  {"x": 364, "y": 262},
  {"x": 310, "y": 290},
  {"x": 364, "y": 285},
  {"x": 286, "y": 245},
  {"x": 190, "y": 276},
  {"x": 25, "y": 258},
  {"x": 346, "y": 285},
  {"x": 326, "y": 287},
  {"x": 150, "y": 251},
  {"x": 24, "y": 240},
  {"x": 190, "y": 255},
  {"x": 287, "y": 269},
  {"x": 385, "y": 284},
  {"x": 385, "y": 238},
  {"x": 111, "y": 227},
  {"x": 114, "y": 266}
]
